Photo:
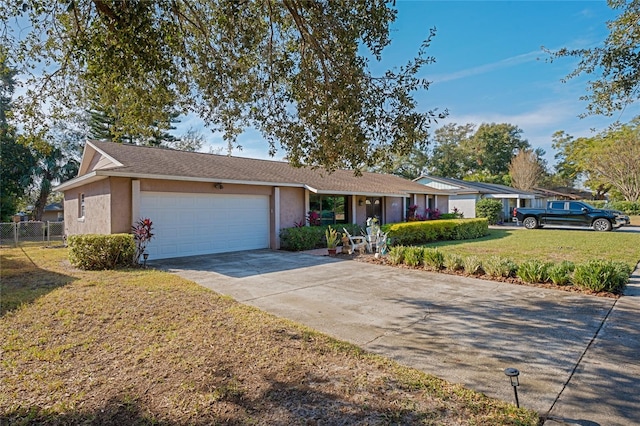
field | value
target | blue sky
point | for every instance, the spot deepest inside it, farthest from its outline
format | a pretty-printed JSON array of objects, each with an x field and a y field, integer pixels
[{"x": 490, "y": 66}]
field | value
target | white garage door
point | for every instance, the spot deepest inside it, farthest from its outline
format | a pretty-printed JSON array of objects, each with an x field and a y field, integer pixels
[{"x": 192, "y": 224}]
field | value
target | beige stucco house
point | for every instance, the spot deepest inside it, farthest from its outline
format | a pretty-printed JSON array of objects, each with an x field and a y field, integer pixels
[{"x": 204, "y": 203}]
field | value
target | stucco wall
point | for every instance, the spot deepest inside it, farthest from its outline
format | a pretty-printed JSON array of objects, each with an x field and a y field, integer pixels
[
  {"x": 202, "y": 187},
  {"x": 465, "y": 204},
  {"x": 361, "y": 211},
  {"x": 393, "y": 209},
  {"x": 97, "y": 217},
  {"x": 441, "y": 202},
  {"x": 121, "y": 219},
  {"x": 291, "y": 206}
]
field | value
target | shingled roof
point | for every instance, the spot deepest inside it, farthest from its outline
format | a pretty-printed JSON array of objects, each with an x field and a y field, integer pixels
[
  {"x": 479, "y": 187},
  {"x": 160, "y": 163}
]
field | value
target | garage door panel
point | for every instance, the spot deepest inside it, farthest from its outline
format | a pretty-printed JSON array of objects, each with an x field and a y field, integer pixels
[{"x": 192, "y": 224}]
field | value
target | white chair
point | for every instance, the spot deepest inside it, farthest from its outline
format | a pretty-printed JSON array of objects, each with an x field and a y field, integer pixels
[
  {"x": 357, "y": 242},
  {"x": 381, "y": 244},
  {"x": 374, "y": 238}
]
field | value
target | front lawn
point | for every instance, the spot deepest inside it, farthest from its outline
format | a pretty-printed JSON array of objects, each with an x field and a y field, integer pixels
[
  {"x": 147, "y": 347},
  {"x": 554, "y": 245}
]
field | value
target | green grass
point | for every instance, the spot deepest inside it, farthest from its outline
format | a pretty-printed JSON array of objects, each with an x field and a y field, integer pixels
[
  {"x": 551, "y": 245},
  {"x": 140, "y": 346}
]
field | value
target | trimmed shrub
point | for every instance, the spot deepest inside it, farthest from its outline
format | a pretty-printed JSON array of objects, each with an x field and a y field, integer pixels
[
  {"x": 302, "y": 238},
  {"x": 433, "y": 258},
  {"x": 96, "y": 252},
  {"x": 411, "y": 233},
  {"x": 413, "y": 256},
  {"x": 534, "y": 271},
  {"x": 452, "y": 262},
  {"x": 602, "y": 275},
  {"x": 497, "y": 266},
  {"x": 311, "y": 237},
  {"x": 472, "y": 265},
  {"x": 396, "y": 255},
  {"x": 560, "y": 273},
  {"x": 489, "y": 208},
  {"x": 627, "y": 207}
]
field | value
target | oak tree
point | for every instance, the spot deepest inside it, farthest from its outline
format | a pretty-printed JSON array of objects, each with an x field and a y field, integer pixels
[
  {"x": 297, "y": 71},
  {"x": 16, "y": 160}
]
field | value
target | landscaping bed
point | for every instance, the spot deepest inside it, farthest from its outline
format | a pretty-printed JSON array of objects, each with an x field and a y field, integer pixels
[
  {"x": 369, "y": 258},
  {"x": 597, "y": 256}
]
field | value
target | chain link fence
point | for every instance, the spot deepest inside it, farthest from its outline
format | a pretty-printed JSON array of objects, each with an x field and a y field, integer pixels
[{"x": 14, "y": 234}]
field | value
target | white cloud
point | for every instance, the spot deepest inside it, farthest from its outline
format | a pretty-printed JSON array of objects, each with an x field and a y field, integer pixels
[{"x": 483, "y": 69}]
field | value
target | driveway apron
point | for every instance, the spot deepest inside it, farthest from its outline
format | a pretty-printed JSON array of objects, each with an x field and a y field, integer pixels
[{"x": 460, "y": 329}]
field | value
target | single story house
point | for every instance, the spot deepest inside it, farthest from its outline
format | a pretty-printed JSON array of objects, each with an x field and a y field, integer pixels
[
  {"x": 463, "y": 195},
  {"x": 53, "y": 212},
  {"x": 204, "y": 203},
  {"x": 565, "y": 193}
]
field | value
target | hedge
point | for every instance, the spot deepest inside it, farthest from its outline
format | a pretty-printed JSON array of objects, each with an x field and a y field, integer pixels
[
  {"x": 408, "y": 233},
  {"x": 627, "y": 207},
  {"x": 311, "y": 237},
  {"x": 97, "y": 251}
]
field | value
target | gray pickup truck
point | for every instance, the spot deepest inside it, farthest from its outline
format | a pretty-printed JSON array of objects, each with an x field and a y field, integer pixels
[{"x": 571, "y": 213}]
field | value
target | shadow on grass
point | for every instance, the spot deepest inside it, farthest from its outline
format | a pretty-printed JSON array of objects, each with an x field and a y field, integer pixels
[
  {"x": 23, "y": 281},
  {"x": 280, "y": 403},
  {"x": 116, "y": 411}
]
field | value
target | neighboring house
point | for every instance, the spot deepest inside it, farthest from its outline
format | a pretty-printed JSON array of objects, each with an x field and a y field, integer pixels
[
  {"x": 53, "y": 212},
  {"x": 204, "y": 203},
  {"x": 463, "y": 195},
  {"x": 565, "y": 193}
]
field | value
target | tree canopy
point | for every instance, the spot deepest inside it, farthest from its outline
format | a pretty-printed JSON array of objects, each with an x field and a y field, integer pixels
[
  {"x": 526, "y": 169},
  {"x": 482, "y": 154},
  {"x": 609, "y": 160},
  {"x": 297, "y": 71},
  {"x": 614, "y": 65},
  {"x": 16, "y": 160}
]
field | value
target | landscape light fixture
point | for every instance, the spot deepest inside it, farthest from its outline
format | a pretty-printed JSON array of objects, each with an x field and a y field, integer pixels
[
  {"x": 145, "y": 256},
  {"x": 513, "y": 374}
]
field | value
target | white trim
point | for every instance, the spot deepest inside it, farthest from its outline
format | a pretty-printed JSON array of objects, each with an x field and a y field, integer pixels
[
  {"x": 110, "y": 158},
  {"x": 307, "y": 206},
  {"x": 81, "y": 180},
  {"x": 354, "y": 208}
]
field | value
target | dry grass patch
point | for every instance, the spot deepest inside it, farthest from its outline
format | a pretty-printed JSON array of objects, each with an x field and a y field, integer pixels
[{"x": 147, "y": 347}]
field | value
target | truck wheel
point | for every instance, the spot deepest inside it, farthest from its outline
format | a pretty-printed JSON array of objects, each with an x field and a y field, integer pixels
[
  {"x": 530, "y": 222},
  {"x": 602, "y": 225}
]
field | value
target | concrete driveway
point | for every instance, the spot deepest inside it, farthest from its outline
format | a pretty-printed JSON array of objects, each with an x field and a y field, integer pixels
[{"x": 576, "y": 363}]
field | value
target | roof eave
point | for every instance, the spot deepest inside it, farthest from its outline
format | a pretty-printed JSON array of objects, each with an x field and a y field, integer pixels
[{"x": 81, "y": 180}]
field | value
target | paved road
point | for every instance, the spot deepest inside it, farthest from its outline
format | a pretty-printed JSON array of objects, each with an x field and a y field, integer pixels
[{"x": 577, "y": 355}]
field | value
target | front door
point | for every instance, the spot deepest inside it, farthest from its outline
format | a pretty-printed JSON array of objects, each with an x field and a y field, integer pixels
[{"x": 374, "y": 208}]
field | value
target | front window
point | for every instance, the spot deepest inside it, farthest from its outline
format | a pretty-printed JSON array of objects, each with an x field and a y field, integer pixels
[{"x": 330, "y": 208}]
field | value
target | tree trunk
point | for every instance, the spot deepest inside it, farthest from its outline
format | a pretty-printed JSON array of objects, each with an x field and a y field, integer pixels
[{"x": 41, "y": 202}]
